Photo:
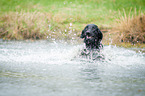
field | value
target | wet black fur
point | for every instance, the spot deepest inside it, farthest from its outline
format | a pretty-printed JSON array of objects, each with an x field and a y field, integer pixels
[{"x": 92, "y": 36}]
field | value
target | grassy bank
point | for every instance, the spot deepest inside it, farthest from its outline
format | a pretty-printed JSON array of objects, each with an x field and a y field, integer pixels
[
  {"x": 128, "y": 31},
  {"x": 61, "y": 19}
]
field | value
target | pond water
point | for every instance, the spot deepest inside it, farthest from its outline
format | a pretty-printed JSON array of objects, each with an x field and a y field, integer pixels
[{"x": 43, "y": 68}]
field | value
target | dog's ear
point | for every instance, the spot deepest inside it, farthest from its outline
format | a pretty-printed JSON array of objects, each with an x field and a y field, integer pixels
[
  {"x": 99, "y": 34},
  {"x": 82, "y": 34}
]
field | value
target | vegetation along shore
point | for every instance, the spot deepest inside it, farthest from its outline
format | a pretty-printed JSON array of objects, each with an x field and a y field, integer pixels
[{"x": 121, "y": 21}]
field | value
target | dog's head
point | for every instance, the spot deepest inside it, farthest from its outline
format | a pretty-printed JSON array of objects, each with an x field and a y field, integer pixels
[{"x": 92, "y": 36}]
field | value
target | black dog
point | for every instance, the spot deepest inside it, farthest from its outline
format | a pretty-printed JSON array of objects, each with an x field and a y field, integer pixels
[{"x": 92, "y": 37}]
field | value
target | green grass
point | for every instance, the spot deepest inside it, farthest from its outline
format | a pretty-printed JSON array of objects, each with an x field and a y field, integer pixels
[
  {"x": 60, "y": 13},
  {"x": 100, "y": 12}
]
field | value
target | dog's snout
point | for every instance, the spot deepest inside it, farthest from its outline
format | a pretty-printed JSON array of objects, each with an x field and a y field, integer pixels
[{"x": 88, "y": 33}]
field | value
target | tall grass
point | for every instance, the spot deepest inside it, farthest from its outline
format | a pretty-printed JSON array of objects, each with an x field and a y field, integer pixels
[
  {"x": 24, "y": 25},
  {"x": 133, "y": 30},
  {"x": 33, "y": 25},
  {"x": 129, "y": 28}
]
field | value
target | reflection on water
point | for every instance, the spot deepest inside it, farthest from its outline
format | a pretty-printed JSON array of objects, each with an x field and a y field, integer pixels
[{"x": 42, "y": 68}]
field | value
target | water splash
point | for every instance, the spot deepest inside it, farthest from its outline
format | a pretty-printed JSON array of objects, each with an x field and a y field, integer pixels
[{"x": 54, "y": 68}]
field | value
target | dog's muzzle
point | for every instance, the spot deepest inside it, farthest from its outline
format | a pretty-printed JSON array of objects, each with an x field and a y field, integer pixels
[{"x": 89, "y": 39}]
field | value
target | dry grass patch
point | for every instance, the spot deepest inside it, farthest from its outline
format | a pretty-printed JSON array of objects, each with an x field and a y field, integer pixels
[
  {"x": 24, "y": 25},
  {"x": 129, "y": 29},
  {"x": 34, "y": 25}
]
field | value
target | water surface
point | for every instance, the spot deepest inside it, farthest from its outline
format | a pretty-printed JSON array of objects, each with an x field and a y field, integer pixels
[{"x": 43, "y": 68}]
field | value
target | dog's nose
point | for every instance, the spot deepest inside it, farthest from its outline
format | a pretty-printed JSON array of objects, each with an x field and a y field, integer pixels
[{"x": 88, "y": 33}]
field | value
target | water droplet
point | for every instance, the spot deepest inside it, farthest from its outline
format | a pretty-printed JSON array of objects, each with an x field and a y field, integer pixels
[
  {"x": 70, "y": 24},
  {"x": 53, "y": 39},
  {"x": 65, "y": 30},
  {"x": 73, "y": 38}
]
